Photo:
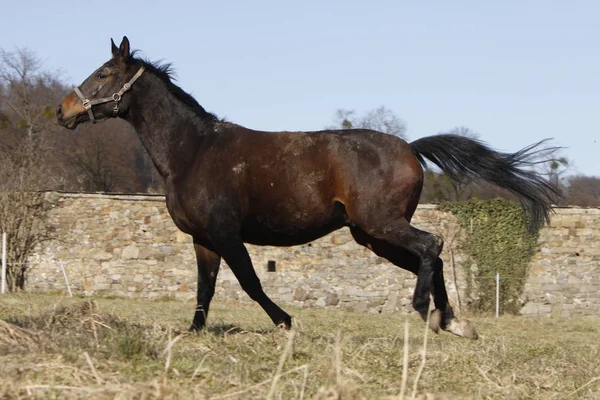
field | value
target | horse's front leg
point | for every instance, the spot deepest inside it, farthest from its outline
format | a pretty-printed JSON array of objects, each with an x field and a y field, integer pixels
[
  {"x": 208, "y": 267},
  {"x": 235, "y": 254}
]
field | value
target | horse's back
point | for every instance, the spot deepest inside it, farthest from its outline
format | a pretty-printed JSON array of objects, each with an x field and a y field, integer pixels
[{"x": 357, "y": 167}]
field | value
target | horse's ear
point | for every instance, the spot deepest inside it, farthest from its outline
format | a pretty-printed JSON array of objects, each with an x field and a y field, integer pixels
[
  {"x": 114, "y": 48},
  {"x": 123, "y": 52}
]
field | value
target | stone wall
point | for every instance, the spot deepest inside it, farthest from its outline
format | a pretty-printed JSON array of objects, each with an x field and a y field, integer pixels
[
  {"x": 127, "y": 245},
  {"x": 565, "y": 274}
]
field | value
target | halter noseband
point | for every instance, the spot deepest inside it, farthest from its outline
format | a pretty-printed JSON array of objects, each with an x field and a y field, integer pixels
[{"x": 88, "y": 104}]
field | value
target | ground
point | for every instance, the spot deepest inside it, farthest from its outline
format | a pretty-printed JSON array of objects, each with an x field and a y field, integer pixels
[{"x": 57, "y": 347}]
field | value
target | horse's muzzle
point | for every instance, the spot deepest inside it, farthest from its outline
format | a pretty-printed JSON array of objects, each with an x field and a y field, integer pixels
[{"x": 69, "y": 123}]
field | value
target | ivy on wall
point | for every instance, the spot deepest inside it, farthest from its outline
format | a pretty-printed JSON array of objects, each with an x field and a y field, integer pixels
[{"x": 496, "y": 241}]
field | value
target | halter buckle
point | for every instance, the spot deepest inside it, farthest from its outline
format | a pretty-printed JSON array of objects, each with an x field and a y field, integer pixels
[
  {"x": 86, "y": 104},
  {"x": 116, "y": 97}
]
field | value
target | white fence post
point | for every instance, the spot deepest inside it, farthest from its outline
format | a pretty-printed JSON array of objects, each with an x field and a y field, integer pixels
[
  {"x": 3, "y": 277},
  {"x": 62, "y": 267},
  {"x": 497, "y": 294}
]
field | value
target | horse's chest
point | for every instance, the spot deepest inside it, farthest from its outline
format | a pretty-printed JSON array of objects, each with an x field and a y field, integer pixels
[{"x": 179, "y": 215}]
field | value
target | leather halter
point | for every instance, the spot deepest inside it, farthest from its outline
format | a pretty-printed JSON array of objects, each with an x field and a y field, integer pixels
[{"x": 88, "y": 104}]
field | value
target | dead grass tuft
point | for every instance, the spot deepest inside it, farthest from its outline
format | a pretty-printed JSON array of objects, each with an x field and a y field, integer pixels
[{"x": 12, "y": 336}]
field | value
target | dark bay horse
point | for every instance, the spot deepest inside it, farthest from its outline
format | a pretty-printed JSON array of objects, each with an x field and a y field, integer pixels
[{"x": 227, "y": 185}]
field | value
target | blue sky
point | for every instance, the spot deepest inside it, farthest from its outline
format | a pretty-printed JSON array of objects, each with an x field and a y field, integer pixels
[{"x": 513, "y": 71}]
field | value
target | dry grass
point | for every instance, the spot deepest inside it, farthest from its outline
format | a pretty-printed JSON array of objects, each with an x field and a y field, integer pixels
[{"x": 54, "y": 347}]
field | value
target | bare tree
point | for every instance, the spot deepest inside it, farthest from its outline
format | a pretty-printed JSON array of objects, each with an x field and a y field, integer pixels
[
  {"x": 30, "y": 93},
  {"x": 23, "y": 209},
  {"x": 27, "y": 99},
  {"x": 380, "y": 119},
  {"x": 94, "y": 165},
  {"x": 556, "y": 169},
  {"x": 583, "y": 191}
]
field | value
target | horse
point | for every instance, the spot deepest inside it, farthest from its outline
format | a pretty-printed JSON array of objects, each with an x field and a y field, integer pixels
[{"x": 227, "y": 185}]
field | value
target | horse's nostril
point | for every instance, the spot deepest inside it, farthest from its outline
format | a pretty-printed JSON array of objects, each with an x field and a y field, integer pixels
[{"x": 59, "y": 111}]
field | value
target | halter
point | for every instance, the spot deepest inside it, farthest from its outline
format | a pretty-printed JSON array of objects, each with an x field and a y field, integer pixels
[{"x": 88, "y": 104}]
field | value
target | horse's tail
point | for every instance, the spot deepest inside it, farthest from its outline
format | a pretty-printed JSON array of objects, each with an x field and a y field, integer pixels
[{"x": 465, "y": 159}]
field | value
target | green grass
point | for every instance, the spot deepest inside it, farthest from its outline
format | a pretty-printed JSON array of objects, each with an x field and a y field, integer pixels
[{"x": 56, "y": 347}]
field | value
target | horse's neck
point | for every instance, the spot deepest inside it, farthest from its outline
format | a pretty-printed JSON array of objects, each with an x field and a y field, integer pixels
[{"x": 169, "y": 130}]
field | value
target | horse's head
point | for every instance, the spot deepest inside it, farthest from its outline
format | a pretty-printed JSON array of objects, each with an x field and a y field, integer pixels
[{"x": 103, "y": 94}]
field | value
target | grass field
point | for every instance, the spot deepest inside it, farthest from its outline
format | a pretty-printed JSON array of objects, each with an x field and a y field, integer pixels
[{"x": 56, "y": 347}]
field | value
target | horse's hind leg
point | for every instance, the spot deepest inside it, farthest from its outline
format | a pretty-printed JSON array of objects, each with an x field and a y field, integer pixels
[
  {"x": 408, "y": 248},
  {"x": 429, "y": 277},
  {"x": 443, "y": 309}
]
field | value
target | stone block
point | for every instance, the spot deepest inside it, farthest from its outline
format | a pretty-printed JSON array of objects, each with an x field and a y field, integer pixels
[
  {"x": 360, "y": 306},
  {"x": 145, "y": 252},
  {"x": 181, "y": 237},
  {"x": 332, "y": 299},
  {"x": 131, "y": 252},
  {"x": 102, "y": 256},
  {"x": 530, "y": 308},
  {"x": 391, "y": 303}
]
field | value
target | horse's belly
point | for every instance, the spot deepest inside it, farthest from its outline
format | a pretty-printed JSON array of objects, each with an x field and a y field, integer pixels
[{"x": 294, "y": 230}]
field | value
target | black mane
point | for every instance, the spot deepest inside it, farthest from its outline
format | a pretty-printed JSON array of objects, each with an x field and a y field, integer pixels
[{"x": 166, "y": 73}]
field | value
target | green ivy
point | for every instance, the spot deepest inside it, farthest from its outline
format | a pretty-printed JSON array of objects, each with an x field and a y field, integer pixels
[{"x": 496, "y": 241}]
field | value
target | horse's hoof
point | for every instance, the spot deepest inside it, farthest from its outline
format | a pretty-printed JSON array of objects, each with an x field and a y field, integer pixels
[
  {"x": 462, "y": 328},
  {"x": 435, "y": 320}
]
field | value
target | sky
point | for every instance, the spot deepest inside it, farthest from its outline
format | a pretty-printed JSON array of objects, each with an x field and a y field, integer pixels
[{"x": 515, "y": 72}]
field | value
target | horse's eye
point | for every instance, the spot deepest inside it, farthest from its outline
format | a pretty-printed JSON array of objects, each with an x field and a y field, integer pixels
[{"x": 101, "y": 75}]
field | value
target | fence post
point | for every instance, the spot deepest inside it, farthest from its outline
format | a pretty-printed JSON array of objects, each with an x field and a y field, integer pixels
[
  {"x": 497, "y": 294},
  {"x": 62, "y": 267},
  {"x": 3, "y": 277}
]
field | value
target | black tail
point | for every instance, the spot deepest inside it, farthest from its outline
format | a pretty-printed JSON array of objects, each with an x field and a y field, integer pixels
[{"x": 465, "y": 159}]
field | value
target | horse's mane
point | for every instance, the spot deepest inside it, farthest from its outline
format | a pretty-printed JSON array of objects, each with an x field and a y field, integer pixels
[{"x": 165, "y": 72}]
